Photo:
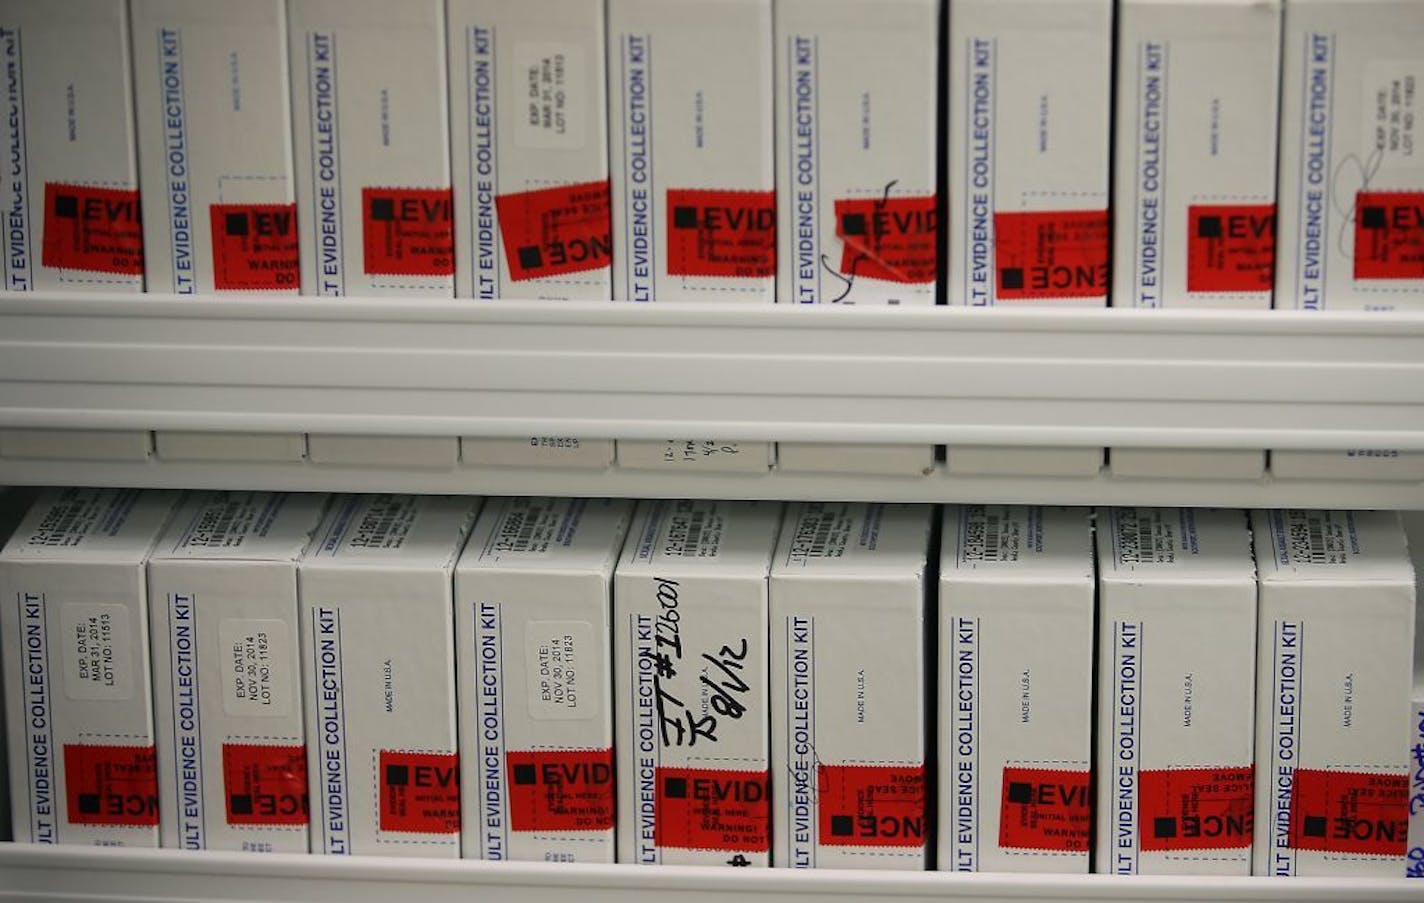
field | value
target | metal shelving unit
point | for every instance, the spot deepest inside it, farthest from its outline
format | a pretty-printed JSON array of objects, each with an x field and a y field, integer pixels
[{"x": 1168, "y": 379}]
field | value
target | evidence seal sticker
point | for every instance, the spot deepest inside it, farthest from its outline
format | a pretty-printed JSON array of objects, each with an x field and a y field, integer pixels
[
  {"x": 556, "y": 231},
  {"x": 1044, "y": 809},
  {"x": 872, "y": 805},
  {"x": 419, "y": 792},
  {"x": 561, "y": 790},
  {"x": 111, "y": 785},
  {"x": 265, "y": 785},
  {"x": 407, "y": 231},
  {"x": 713, "y": 809},
  {"x": 255, "y": 247},
  {"x": 1196, "y": 808},
  {"x": 1389, "y": 235},
  {"x": 1349, "y": 812},
  {"x": 893, "y": 239},
  {"x": 1231, "y": 247},
  {"x": 95, "y": 229},
  {"x": 721, "y": 233},
  {"x": 1051, "y": 254}
]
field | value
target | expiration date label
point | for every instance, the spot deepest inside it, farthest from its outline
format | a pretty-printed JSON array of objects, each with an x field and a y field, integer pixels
[
  {"x": 562, "y": 665},
  {"x": 255, "y": 655},
  {"x": 550, "y": 79},
  {"x": 1391, "y": 110},
  {"x": 97, "y": 655}
]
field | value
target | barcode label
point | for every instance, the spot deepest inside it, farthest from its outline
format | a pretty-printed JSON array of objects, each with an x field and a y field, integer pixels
[
  {"x": 527, "y": 528},
  {"x": 694, "y": 530},
  {"x": 68, "y": 520},
  {"x": 1144, "y": 536},
  {"x": 822, "y": 531},
  {"x": 224, "y": 524},
  {"x": 385, "y": 523},
  {"x": 988, "y": 533},
  {"x": 1313, "y": 537}
]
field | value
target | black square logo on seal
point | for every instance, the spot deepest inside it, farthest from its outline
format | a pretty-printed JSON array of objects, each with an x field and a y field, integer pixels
[
  {"x": 1164, "y": 827},
  {"x": 66, "y": 205},
  {"x": 1314, "y": 826},
  {"x": 1209, "y": 227},
  {"x": 397, "y": 775},
  {"x": 240, "y": 804},
  {"x": 236, "y": 224},
  {"x": 1011, "y": 277},
  {"x": 841, "y": 825},
  {"x": 383, "y": 209},
  {"x": 684, "y": 217},
  {"x": 853, "y": 224},
  {"x": 89, "y": 803},
  {"x": 524, "y": 773},
  {"x": 1373, "y": 218},
  {"x": 1020, "y": 792},
  {"x": 675, "y": 788},
  {"x": 530, "y": 258}
]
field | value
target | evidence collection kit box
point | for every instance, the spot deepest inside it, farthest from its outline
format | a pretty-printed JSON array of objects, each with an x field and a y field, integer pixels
[
  {"x": 78, "y": 696},
  {"x": 855, "y": 151},
  {"x": 1195, "y": 167},
  {"x": 1029, "y": 110},
  {"x": 529, "y": 145},
  {"x": 215, "y": 145},
  {"x": 856, "y": 209},
  {"x": 1336, "y": 639},
  {"x": 227, "y": 681},
  {"x": 533, "y": 614},
  {"x": 378, "y": 649},
  {"x": 70, "y": 192},
  {"x": 691, "y": 695},
  {"x": 1015, "y": 688},
  {"x": 1351, "y": 167},
  {"x": 370, "y": 129},
  {"x": 1176, "y": 667},
  {"x": 693, "y": 194},
  {"x": 848, "y": 676}
]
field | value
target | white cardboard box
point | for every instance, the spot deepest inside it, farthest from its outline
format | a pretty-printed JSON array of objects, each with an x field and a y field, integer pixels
[
  {"x": 849, "y": 708},
  {"x": 690, "y": 648},
  {"x": 694, "y": 205},
  {"x": 1028, "y": 145},
  {"x": 1194, "y": 181},
  {"x": 529, "y": 140},
  {"x": 855, "y": 175},
  {"x": 1016, "y": 605},
  {"x": 690, "y": 112},
  {"x": 370, "y": 128},
  {"x": 227, "y": 680},
  {"x": 1352, "y": 156},
  {"x": 215, "y": 142},
  {"x": 79, "y": 702},
  {"x": 1176, "y": 669},
  {"x": 855, "y": 151},
  {"x": 1336, "y": 641},
  {"x": 378, "y": 651},
  {"x": 70, "y": 196},
  {"x": 533, "y": 611}
]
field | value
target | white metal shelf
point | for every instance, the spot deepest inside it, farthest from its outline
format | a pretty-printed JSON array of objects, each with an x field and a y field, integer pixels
[
  {"x": 97, "y": 874},
  {"x": 940, "y": 375},
  {"x": 1103, "y": 489}
]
